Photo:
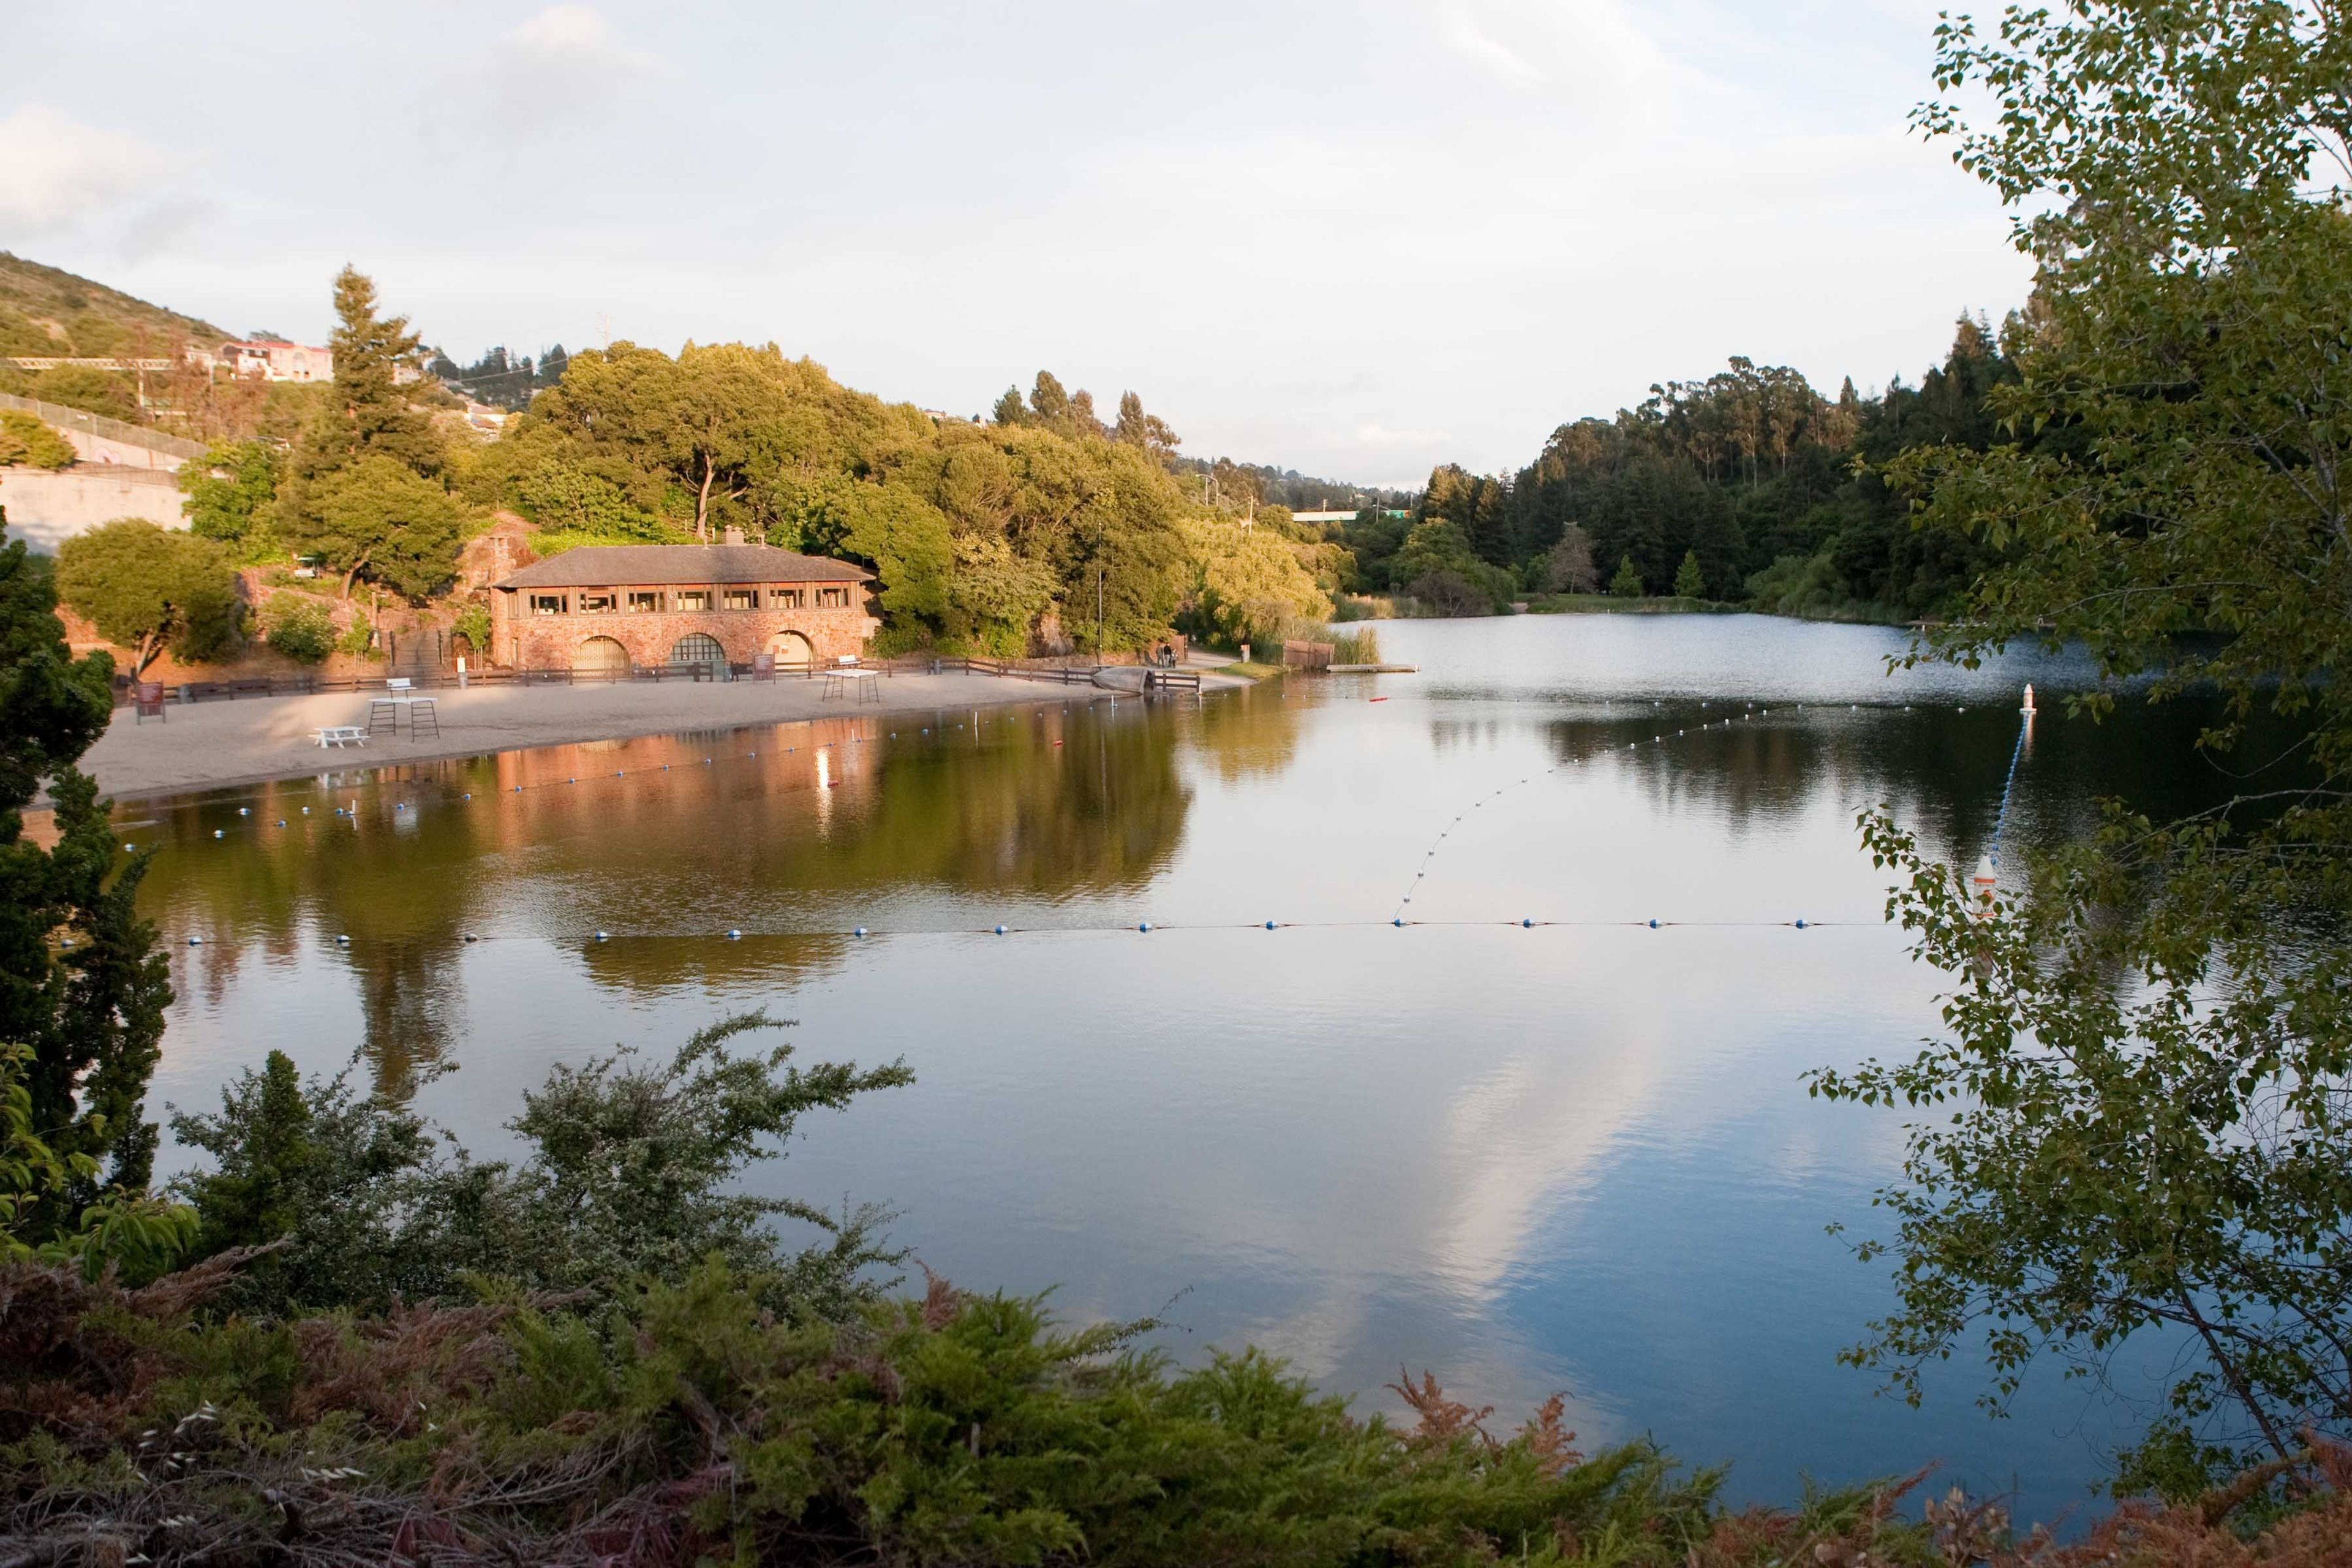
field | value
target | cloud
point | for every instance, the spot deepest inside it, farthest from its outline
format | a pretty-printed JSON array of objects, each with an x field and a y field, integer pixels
[
  {"x": 567, "y": 61},
  {"x": 571, "y": 37},
  {"x": 56, "y": 174}
]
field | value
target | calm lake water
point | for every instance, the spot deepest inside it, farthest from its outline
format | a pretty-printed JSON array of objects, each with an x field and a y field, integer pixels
[{"x": 1573, "y": 1157}]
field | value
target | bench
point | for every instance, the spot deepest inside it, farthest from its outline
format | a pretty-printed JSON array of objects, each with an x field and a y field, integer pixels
[{"x": 339, "y": 735}]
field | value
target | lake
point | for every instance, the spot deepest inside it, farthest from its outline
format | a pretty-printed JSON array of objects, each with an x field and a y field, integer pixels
[{"x": 1577, "y": 1155}]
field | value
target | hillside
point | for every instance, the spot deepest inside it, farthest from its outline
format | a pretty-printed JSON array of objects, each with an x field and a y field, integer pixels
[{"x": 48, "y": 311}]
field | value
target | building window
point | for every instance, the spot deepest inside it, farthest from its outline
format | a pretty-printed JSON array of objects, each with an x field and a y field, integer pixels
[
  {"x": 547, "y": 604},
  {"x": 742, "y": 599},
  {"x": 788, "y": 598},
  {"x": 691, "y": 599},
  {"x": 603, "y": 604},
  {"x": 833, "y": 599},
  {"x": 646, "y": 603}
]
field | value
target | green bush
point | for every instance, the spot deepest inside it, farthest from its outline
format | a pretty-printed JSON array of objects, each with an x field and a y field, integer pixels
[
  {"x": 300, "y": 627},
  {"x": 359, "y": 639},
  {"x": 473, "y": 624},
  {"x": 1627, "y": 583},
  {"x": 26, "y": 440}
]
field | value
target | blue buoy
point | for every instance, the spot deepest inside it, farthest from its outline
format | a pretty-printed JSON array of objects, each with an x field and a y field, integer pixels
[
  {"x": 244, "y": 811},
  {"x": 1528, "y": 924},
  {"x": 342, "y": 941},
  {"x": 571, "y": 781},
  {"x": 1269, "y": 925},
  {"x": 860, "y": 932},
  {"x": 195, "y": 941},
  {"x": 1143, "y": 925},
  {"x": 467, "y": 796},
  {"x": 1653, "y": 925},
  {"x": 217, "y": 833},
  {"x": 602, "y": 936},
  {"x": 281, "y": 822},
  {"x": 1000, "y": 930},
  {"x": 624, "y": 773},
  {"x": 471, "y": 937},
  {"x": 518, "y": 789},
  {"x": 1399, "y": 922},
  {"x": 306, "y": 811},
  {"x": 734, "y": 935},
  {"x": 1801, "y": 922}
]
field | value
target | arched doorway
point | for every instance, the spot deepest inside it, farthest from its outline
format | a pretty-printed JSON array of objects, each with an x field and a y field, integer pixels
[
  {"x": 601, "y": 658},
  {"x": 791, "y": 651},
  {"x": 698, "y": 648}
]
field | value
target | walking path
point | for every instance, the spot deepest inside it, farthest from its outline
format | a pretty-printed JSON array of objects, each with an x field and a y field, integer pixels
[{"x": 205, "y": 744}]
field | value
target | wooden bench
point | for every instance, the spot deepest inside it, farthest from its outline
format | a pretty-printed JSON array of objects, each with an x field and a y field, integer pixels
[{"x": 339, "y": 735}]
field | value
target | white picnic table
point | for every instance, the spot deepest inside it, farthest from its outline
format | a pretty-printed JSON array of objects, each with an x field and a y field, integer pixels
[{"x": 339, "y": 735}]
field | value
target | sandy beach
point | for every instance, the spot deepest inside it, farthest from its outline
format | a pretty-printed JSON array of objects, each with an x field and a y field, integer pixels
[{"x": 205, "y": 744}]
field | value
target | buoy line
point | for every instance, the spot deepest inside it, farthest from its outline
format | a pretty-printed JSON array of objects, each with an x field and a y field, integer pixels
[
  {"x": 1142, "y": 928},
  {"x": 1659, "y": 738}
]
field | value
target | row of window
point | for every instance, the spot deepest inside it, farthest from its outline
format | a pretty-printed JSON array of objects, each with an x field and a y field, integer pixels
[{"x": 640, "y": 601}]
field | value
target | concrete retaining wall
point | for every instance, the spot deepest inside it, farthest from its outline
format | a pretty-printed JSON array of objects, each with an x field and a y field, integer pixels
[{"x": 47, "y": 506}]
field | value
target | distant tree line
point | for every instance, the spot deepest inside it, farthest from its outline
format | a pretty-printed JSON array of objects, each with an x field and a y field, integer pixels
[
  {"x": 500, "y": 380},
  {"x": 1750, "y": 486}
]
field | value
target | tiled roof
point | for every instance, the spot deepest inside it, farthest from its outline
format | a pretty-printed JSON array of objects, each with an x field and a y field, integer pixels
[{"x": 618, "y": 565}]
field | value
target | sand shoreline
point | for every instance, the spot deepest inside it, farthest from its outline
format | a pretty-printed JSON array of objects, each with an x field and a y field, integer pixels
[{"x": 212, "y": 745}]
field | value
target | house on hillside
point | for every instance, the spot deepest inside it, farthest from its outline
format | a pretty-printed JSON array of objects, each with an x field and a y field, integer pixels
[
  {"x": 604, "y": 609},
  {"x": 269, "y": 359}
]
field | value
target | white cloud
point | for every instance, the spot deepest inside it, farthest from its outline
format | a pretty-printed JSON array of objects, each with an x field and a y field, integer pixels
[
  {"x": 571, "y": 37},
  {"x": 57, "y": 174}
]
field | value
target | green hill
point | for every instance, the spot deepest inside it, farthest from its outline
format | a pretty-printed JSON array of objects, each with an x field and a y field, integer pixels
[{"x": 48, "y": 311}]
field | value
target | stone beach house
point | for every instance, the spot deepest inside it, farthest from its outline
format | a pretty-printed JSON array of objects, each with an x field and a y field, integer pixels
[{"x": 604, "y": 609}]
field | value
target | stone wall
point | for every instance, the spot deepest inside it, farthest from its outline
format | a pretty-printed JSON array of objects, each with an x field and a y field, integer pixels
[
  {"x": 46, "y": 507},
  {"x": 525, "y": 641}
]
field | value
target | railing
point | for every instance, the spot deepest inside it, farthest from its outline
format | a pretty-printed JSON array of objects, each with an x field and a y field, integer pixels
[
  {"x": 425, "y": 679},
  {"x": 100, "y": 426},
  {"x": 1171, "y": 679},
  {"x": 1058, "y": 674}
]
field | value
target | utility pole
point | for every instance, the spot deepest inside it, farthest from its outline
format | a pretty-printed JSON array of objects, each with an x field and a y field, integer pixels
[{"x": 1099, "y": 611}]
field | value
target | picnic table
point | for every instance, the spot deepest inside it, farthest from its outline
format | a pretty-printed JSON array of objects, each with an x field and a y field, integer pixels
[{"x": 328, "y": 735}]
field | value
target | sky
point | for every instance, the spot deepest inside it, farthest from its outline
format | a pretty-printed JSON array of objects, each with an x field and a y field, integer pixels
[{"x": 1356, "y": 239}]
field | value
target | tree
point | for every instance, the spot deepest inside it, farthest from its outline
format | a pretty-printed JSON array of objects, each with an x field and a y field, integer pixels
[
  {"x": 369, "y": 415},
  {"x": 1010, "y": 409},
  {"x": 1569, "y": 568},
  {"x": 148, "y": 588},
  {"x": 1690, "y": 583},
  {"x": 230, "y": 488},
  {"x": 1148, "y": 431},
  {"x": 2141, "y": 1121},
  {"x": 1627, "y": 583},
  {"x": 379, "y": 519},
  {"x": 82, "y": 985},
  {"x": 24, "y": 439}
]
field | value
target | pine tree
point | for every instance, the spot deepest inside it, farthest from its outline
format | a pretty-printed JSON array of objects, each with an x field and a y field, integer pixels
[
  {"x": 1690, "y": 582},
  {"x": 1627, "y": 583},
  {"x": 81, "y": 983},
  {"x": 368, "y": 415}
]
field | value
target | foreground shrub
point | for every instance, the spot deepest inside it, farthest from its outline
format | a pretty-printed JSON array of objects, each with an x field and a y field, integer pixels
[{"x": 687, "y": 1424}]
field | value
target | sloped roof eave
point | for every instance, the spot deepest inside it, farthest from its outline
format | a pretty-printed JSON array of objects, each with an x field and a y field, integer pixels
[{"x": 663, "y": 565}]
